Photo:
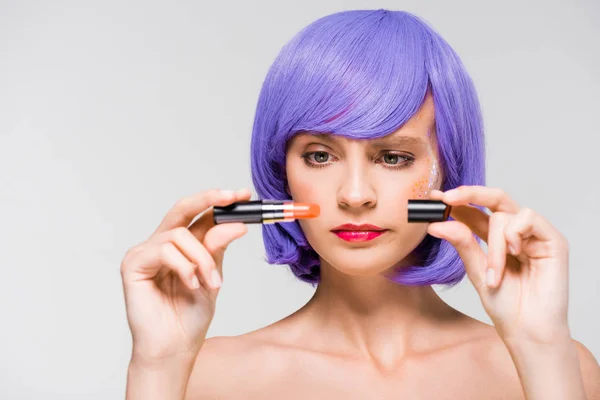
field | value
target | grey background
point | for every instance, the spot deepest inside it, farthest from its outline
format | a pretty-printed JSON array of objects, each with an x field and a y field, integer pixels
[{"x": 110, "y": 111}]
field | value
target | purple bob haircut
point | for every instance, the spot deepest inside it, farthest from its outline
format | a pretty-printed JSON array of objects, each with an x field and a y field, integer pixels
[{"x": 363, "y": 74}]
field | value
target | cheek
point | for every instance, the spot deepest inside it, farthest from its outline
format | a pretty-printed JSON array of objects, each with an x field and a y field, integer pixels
[
  {"x": 419, "y": 188},
  {"x": 427, "y": 181},
  {"x": 303, "y": 186}
]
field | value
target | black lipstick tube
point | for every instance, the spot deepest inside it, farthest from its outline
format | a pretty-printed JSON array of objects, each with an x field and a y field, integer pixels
[
  {"x": 251, "y": 212},
  {"x": 428, "y": 211},
  {"x": 264, "y": 212}
]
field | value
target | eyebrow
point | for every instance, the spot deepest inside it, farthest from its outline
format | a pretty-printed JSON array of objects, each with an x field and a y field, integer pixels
[
  {"x": 397, "y": 141},
  {"x": 380, "y": 143}
]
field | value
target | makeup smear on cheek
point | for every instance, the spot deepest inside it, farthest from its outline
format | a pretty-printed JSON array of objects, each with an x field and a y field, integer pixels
[{"x": 426, "y": 183}]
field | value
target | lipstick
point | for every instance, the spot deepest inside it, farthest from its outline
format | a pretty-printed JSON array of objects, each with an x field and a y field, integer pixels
[
  {"x": 428, "y": 211},
  {"x": 264, "y": 212},
  {"x": 358, "y": 233},
  {"x": 358, "y": 236}
]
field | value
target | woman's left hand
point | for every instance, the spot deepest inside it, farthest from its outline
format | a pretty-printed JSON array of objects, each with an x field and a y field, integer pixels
[{"x": 523, "y": 280}]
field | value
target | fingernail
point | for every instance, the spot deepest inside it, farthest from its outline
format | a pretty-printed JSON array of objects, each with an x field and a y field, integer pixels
[
  {"x": 215, "y": 278},
  {"x": 512, "y": 250},
  {"x": 227, "y": 193},
  {"x": 490, "y": 277},
  {"x": 195, "y": 282}
]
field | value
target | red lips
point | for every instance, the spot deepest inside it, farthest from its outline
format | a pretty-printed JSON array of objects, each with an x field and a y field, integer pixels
[{"x": 358, "y": 233}]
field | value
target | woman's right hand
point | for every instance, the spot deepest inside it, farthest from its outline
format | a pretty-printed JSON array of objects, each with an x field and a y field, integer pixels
[{"x": 171, "y": 280}]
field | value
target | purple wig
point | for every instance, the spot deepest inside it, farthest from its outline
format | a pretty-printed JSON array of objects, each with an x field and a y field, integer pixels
[{"x": 363, "y": 74}]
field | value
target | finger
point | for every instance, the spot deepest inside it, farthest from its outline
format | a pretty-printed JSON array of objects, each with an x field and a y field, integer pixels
[
  {"x": 154, "y": 258},
  {"x": 219, "y": 237},
  {"x": 496, "y": 248},
  {"x": 472, "y": 255},
  {"x": 474, "y": 218},
  {"x": 187, "y": 208},
  {"x": 195, "y": 252},
  {"x": 435, "y": 194},
  {"x": 493, "y": 198},
  {"x": 528, "y": 224},
  {"x": 205, "y": 222}
]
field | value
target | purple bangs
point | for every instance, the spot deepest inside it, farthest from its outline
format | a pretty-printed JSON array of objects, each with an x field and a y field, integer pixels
[{"x": 363, "y": 74}]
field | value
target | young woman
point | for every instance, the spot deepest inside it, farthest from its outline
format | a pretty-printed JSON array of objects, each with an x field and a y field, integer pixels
[{"x": 360, "y": 112}]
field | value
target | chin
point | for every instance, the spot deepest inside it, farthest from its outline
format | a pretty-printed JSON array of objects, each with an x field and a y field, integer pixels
[{"x": 361, "y": 261}]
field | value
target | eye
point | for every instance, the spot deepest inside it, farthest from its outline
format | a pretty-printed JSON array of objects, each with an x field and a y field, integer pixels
[
  {"x": 397, "y": 161},
  {"x": 320, "y": 156},
  {"x": 316, "y": 159},
  {"x": 391, "y": 158}
]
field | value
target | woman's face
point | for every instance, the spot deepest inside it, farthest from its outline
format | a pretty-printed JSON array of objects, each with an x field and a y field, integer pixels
[{"x": 365, "y": 182}]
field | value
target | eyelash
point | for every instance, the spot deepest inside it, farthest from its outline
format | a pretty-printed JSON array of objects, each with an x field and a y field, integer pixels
[{"x": 407, "y": 163}]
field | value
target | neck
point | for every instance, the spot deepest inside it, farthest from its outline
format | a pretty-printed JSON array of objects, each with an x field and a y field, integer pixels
[{"x": 375, "y": 316}]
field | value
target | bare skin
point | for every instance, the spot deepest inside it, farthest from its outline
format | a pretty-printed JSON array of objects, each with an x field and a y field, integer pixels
[
  {"x": 361, "y": 335},
  {"x": 447, "y": 355}
]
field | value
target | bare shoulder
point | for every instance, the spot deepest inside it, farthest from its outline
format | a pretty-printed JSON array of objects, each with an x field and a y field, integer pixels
[
  {"x": 227, "y": 364},
  {"x": 492, "y": 360},
  {"x": 498, "y": 360},
  {"x": 486, "y": 360},
  {"x": 590, "y": 371}
]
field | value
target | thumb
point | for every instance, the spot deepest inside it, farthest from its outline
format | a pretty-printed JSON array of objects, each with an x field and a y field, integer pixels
[{"x": 219, "y": 237}]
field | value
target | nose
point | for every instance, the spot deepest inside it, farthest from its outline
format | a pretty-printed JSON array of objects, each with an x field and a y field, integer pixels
[{"x": 356, "y": 191}]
